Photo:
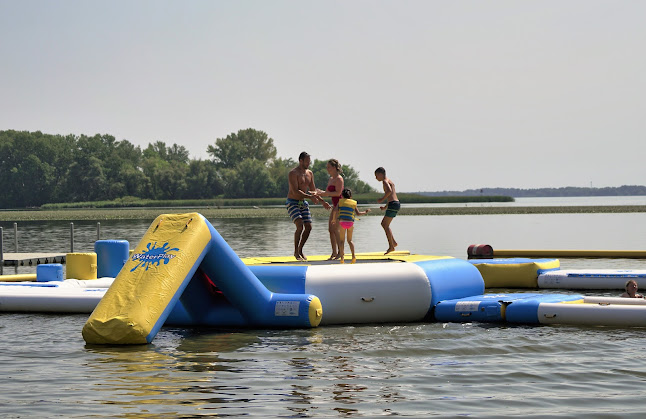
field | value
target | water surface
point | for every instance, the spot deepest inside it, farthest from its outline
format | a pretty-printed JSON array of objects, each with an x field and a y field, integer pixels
[{"x": 420, "y": 369}]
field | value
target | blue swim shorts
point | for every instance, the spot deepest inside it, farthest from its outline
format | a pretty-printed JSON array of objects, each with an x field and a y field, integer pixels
[
  {"x": 393, "y": 209},
  {"x": 298, "y": 210}
]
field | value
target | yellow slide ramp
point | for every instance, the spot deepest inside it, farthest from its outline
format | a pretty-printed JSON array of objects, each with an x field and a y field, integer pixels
[{"x": 144, "y": 292}]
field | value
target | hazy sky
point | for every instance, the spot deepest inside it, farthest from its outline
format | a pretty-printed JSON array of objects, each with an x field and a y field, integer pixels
[{"x": 446, "y": 95}]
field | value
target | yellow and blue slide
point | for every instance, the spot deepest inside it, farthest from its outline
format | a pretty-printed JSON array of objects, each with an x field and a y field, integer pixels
[{"x": 179, "y": 266}]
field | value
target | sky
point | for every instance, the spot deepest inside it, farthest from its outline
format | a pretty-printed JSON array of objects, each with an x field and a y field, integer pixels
[{"x": 446, "y": 95}]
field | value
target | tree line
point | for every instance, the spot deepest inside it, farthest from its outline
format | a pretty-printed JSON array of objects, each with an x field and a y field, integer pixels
[
  {"x": 37, "y": 168},
  {"x": 625, "y": 190}
]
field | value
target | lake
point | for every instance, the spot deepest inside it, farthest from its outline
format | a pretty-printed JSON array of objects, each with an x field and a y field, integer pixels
[{"x": 420, "y": 369}]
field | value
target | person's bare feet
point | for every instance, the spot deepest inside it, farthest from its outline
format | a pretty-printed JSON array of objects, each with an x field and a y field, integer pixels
[
  {"x": 298, "y": 257},
  {"x": 391, "y": 248}
]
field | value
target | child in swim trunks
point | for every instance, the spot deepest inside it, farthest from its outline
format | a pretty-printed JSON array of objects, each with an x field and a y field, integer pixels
[
  {"x": 347, "y": 212},
  {"x": 392, "y": 208}
]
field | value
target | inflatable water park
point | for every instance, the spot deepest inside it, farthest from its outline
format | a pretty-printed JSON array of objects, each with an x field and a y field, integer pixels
[{"x": 183, "y": 273}]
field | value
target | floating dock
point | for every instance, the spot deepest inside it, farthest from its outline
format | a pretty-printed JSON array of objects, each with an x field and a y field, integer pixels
[
  {"x": 567, "y": 253},
  {"x": 31, "y": 259},
  {"x": 485, "y": 251}
]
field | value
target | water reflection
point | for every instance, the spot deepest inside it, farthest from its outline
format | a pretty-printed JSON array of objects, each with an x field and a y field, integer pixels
[{"x": 180, "y": 363}]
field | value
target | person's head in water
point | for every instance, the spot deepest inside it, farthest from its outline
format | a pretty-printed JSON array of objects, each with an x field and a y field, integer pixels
[
  {"x": 631, "y": 286},
  {"x": 346, "y": 193}
]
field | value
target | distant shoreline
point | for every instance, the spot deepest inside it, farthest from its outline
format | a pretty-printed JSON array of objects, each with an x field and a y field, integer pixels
[{"x": 317, "y": 212}]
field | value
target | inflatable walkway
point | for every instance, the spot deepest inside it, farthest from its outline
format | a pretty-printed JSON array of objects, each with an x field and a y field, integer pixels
[
  {"x": 534, "y": 309},
  {"x": 597, "y": 279},
  {"x": 184, "y": 273}
]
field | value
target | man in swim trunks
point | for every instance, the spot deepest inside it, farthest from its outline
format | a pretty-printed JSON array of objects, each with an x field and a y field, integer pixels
[
  {"x": 301, "y": 181},
  {"x": 392, "y": 208}
]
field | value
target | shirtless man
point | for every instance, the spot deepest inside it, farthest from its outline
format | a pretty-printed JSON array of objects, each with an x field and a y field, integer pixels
[
  {"x": 392, "y": 207},
  {"x": 301, "y": 181}
]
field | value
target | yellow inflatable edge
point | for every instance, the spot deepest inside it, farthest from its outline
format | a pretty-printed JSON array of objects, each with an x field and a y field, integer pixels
[
  {"x": 397, "y": 256},
  {"x": 514, "y": 275}
]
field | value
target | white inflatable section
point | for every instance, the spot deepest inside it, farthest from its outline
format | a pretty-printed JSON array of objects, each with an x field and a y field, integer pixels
[
  {"x": 614, "y": 300},
  {"x": 50, "y": 299},
  {"x": 622, "y": 315},
  {"x": 596, "y": 279},
  {"x": 68, "y": 283},
  {"x": 89, "y": 283},
  {"x": 68, "y": 296},
  {"x": 370, "y": 292}
]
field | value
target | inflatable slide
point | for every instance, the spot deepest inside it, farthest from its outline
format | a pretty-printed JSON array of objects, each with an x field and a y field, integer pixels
[{"x": 165, "y": 261}]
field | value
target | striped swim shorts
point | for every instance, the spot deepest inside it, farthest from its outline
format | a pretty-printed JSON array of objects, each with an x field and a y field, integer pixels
[{"x": 298, "y": 210}]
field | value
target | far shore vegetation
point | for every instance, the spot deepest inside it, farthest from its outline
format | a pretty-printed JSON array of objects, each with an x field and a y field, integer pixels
[
  {"x": 366, "y": 198},
  {"x": 38, "y": 169},
  {"x": 212, "y": 212},
  {"x": 79, "y": 177}
]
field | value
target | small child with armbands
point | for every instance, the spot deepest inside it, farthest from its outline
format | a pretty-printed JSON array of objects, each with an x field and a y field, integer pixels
[{"x": 347, "y": 211}]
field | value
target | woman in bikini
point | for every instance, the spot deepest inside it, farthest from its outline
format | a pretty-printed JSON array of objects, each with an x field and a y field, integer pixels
[{"x": 333, "y": 190}]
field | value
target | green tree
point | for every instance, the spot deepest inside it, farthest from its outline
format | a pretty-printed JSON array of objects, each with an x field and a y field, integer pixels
[
  {"x": 250, "y": 179},
  {"x": 203, "y": 180},
  {"x": 174, "y": 153},
  {"x": 321, "y": 176},
  {"x": 279, "y": 173},
  {"x": 166, "y": 169},
  {"x": 248, "y": 143},
  {"x": 171, "y": 181},
  {"x": 33, "y": 167},
  {"x": 37, "y": 168},
  {"x": 87, "y": 180}
]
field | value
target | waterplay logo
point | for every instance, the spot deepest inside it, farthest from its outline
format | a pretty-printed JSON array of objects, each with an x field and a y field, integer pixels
[{"x": 153, "y": 256}]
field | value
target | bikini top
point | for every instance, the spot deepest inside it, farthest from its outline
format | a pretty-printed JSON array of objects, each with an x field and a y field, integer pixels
[{"x": 335, "y": 199}]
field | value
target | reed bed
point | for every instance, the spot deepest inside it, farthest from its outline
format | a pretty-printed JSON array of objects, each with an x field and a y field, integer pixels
[{"x": 279, "y": 212}]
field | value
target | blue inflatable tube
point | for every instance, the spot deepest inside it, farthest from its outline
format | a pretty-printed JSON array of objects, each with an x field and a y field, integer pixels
[
  {"x": 244, "y": 291},
  {"x": 111, "y": 255},
  {"x": 526, "y": 311},
  {"x": 202, "y": 304},
  {"x": 512, "y": 307},
  {"x": 444, "y": 274}
]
